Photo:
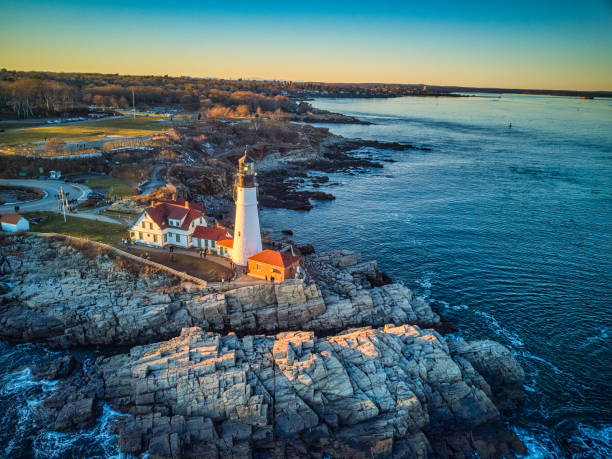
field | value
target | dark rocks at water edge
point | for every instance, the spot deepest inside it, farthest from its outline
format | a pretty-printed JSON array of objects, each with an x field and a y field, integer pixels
[{"x": 266, "y": 370}]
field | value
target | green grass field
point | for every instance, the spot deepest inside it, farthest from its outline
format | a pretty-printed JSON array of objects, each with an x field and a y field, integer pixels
[
  {"x": 78, "y": 227},
  {"x": 86, "y": 131},
  {"x": 113, "y": 186}
]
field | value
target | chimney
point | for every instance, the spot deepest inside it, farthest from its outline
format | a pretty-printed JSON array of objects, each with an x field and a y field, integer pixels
[
  {"x": 186, "y": 204},
  {"x": 174, "y": 196}
]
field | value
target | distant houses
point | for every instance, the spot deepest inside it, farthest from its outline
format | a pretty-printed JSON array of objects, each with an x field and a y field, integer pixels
[{"x": 12, "y": 223}]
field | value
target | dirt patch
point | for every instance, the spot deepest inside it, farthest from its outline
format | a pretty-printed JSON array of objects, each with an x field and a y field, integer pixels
[{"x": 197, "y": 267}]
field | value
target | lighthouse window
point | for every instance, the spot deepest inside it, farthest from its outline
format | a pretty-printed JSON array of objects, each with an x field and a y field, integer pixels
[{"x": 238, "y": 233}]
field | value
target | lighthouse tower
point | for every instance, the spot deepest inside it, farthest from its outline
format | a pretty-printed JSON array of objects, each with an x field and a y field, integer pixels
[{"x": 247, "y": 237}]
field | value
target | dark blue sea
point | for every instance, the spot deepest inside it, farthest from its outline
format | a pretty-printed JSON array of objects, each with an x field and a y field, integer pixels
[{"x": 506, "y": 230}]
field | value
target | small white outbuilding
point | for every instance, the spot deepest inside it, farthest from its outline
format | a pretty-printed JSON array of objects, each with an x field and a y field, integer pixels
[{"x": 12, "y": 223}]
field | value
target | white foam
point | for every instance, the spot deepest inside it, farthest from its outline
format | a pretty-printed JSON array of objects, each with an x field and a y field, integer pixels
[
  {"x": 19, "y": 381},
  {"x": 596, "y": 442},
  {"x": 539, "y": 444},
  {"x": 56, "y": 444},
  {"x": 499, "y": 330}
]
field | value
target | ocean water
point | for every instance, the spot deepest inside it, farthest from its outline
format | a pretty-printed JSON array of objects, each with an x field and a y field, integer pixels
[
  {"x": 20, "y": 434},
  {"x": 506, "y": 230}
]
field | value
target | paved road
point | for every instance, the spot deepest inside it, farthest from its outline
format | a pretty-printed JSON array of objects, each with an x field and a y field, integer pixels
[
  {"x": 155, "y": 181},
  {"x": 51, "y": 189},
  {"x": 49, "y": 201}
]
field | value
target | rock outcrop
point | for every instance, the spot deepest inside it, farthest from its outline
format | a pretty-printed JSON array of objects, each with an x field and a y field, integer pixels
[
  {"x": 365, "y": 392},
  {"x": 68, "y": 298},
  {"x": 263, "y": 370}
]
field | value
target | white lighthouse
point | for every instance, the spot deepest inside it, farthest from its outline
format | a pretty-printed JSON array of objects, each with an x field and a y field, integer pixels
[{"x": 247, "y": 237}]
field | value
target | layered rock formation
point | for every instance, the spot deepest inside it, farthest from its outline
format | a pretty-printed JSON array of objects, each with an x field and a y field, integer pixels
[
  {"x": 366, "y": 392},
  {"x": 67, "y": 298},
  {"x": 310, "y": 385}
]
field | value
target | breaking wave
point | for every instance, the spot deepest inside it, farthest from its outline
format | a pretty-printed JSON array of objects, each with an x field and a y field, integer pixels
[{"x": 96, "y": 442}]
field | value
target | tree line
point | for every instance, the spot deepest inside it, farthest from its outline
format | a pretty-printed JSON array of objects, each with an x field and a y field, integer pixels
[{"x": 38, "y": 94}]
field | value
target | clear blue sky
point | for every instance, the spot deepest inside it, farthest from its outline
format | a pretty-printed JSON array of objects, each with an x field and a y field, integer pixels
[{"x": 529, "y": 44}]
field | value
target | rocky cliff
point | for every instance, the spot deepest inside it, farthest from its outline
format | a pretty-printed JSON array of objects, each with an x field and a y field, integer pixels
[
  {"x": 262, "y": 370},
  {"x": 69, "y": 298},
  {"x": 366, "y": 392}
]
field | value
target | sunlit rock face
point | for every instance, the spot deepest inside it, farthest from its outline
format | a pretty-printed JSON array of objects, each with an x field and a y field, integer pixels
[
  {"x": 360, "y": 393},
  {"x": 69, "y": 298},
  {"x": 262, "y": 370}
]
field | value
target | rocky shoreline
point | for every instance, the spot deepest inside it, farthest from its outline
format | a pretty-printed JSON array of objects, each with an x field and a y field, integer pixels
[
  {"x": 344, "y": 363},
  {"x": 283, "y": 179}
]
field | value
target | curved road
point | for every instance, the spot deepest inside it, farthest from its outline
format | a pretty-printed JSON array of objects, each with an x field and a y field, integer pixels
[{"x": 49, "y": 201}]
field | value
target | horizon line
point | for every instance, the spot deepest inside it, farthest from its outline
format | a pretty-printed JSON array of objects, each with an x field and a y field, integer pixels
[{"x": 256, "y": 79}]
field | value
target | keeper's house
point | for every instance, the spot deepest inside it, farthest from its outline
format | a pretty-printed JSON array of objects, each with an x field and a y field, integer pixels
[
  {"x": 168, "y": 222},
  {"x": 225, "y": 248},
  {"x": 207, "y": 237},
  {"x": 272, "y": 265}
]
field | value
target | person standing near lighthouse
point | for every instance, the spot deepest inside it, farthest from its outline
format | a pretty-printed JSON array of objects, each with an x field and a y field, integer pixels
[{"x": 247, "y": 236}]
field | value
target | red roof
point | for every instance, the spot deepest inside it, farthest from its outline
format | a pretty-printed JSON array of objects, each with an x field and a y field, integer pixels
[
  {"x": 11, "y": 218},
  {"x": 229, "y": 243},
  {"x": 161, "y": 211},
  {"x": 274, "y": 258},
  {"x": 176, "y": 213},
  {"x": 210, "y": 233}
]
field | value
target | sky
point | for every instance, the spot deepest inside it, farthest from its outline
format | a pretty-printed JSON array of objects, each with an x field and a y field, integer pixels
[{"x": 485, "y": 43}]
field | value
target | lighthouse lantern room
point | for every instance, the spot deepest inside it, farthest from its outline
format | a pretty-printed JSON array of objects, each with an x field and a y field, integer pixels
[{"x": 247, "y": 236}]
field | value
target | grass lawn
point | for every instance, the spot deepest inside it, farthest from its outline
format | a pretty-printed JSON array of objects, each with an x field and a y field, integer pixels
[
  {"x": 113, "y": 186},
  {"x": 201, "y": 268},
  {"x": 85, "y": 130},
  {"x": 78, "y": 227}
]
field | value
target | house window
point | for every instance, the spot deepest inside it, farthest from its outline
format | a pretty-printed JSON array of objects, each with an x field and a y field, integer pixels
[
  {"x": 257, "y": 266},
  {"x": 178, "y": 237},
  {"x": 150, "y": 225},
  {"x": 206, "y": 243},
  {"x": 140, "y": 236},
  {"x": 143, "y": 224},
  {"x": 212, "y": 244},
  {"x": 166, "y": 237},
  {"x": 155, "y": 238}
]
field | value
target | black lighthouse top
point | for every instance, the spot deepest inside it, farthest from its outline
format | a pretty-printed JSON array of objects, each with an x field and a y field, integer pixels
[{"x": 246, "y": 172}]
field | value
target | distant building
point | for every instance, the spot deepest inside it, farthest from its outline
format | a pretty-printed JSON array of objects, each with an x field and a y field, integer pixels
[
  {"x": 273, "y": 265},
  {"x": 168, "y": 222},
  {"x": 12, "y": 223}
]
